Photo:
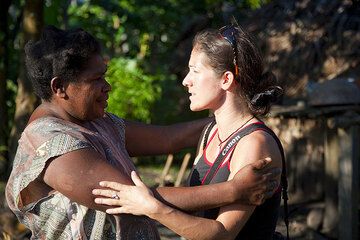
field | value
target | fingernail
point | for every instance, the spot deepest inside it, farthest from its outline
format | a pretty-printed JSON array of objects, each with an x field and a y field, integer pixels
[
  {"x": 101, "y": 183},
  {"x": 97, "y": 200}
]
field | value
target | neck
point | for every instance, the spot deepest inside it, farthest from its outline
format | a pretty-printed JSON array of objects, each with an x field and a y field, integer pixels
[
  {"x": 229, "y": 117},
  {"x": 55, "y": 110}
]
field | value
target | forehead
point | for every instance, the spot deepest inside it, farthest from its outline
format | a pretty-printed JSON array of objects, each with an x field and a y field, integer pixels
[
  {"x": 95, "y": 65},
  {"x": 198, "y": 58}
]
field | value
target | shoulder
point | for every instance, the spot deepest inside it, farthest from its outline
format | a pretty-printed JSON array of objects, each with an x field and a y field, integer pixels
[
  {"x": 45, "y": 128},
  {"x": 111, "y": 124},
  {"x": 49, "y": 136},
  {"x": 257, "y": 145},
  {"x": 115, "y": 119}
]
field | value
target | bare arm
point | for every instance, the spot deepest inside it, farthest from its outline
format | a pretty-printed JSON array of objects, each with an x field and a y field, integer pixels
[
  {"x": 188, "y": 226},
  {"x": 251, "y": 185},
  {"x": 76, "y": 173},
  {"x": 143, "y": 139}
]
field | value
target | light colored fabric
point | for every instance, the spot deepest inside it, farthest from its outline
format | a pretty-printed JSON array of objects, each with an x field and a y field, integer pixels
[{"x": 53, "y": 215}]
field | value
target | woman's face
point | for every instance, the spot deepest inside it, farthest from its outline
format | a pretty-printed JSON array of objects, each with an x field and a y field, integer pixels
[
  {"x": 203, "y": 83},
  {"x": 89, "y": 93}
]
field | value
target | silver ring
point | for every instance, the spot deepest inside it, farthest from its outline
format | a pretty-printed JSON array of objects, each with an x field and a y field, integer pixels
[{"x": 115, "y": 196}]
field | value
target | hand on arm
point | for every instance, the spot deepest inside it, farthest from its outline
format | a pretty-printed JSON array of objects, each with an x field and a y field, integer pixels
[
  {"x": 256, "y": 182},
  {"x": 251, "y": 185},
  {"x": 136, "y": 200},
  {"x": 139, "y": 200}
]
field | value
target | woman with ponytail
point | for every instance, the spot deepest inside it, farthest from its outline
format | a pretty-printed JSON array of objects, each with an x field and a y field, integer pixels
[{"x": 226, "y": 76}]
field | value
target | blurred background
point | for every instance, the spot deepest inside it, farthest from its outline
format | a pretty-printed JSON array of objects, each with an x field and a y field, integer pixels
[{"x": 312, "y": 46}]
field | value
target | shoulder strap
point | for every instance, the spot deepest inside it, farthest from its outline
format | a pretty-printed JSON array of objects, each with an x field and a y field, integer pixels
[
  {"x": 284, "y": 182},
  {"x": 207, "y": 132}
]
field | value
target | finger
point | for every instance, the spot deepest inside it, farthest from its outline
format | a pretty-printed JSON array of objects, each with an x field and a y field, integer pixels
[
  {"x": 271, "y": 186},
  {"x": 272, "y": 173},
  {"x": 114, "y": 185},
  {"x": 259, "y": 199},
  {"x": 136, "y": 179},
  {"x": 117, "y": 210},
  {"x": 260, "y": 164},
  {"x": 104, "y": 192},
  {"x": 107, "y": 201}
]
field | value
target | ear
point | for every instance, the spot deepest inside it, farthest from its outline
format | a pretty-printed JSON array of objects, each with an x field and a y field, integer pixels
[
  {"x": 58, "y": 87},
  {"x": 228, "y": 80}
]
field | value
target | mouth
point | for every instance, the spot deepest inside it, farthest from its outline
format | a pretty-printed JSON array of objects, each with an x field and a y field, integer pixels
[
  {"x": 103, "y": 99},
  {"x": 191, "y": 95}
]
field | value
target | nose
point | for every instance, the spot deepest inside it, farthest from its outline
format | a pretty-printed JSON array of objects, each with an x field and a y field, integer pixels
[{"x": 186, "y": 81}]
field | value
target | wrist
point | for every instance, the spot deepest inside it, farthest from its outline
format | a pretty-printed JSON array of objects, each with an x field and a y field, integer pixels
[
  {"x": 159, "y": 209},
  {"x": 235, "y": 191}
]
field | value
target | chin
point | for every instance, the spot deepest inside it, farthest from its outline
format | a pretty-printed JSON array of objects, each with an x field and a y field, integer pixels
[
  {"x": 195, "y": 109},
  {"x": 97, "y": 115}
]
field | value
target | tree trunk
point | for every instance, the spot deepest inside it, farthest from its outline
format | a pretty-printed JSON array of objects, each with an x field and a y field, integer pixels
[
  {"x": 4, "y": 128},
  {"x": 26, "y": 100}
]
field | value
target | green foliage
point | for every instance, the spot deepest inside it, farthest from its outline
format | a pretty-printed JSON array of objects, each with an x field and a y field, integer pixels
[
  {"x": 52, "y": 12},
  {"x": 254, "y": 4},
  {"x": 11, "y": 88},
  {"x": 139, "y": 33},
  {"x": 133, "y": 92}
]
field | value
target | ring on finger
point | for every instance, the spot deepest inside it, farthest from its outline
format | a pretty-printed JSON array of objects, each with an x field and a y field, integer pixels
[{"x": 115, "y": 196}]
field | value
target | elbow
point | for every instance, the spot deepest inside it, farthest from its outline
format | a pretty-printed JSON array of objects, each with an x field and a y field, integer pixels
[{"x": 220, "y": 232}]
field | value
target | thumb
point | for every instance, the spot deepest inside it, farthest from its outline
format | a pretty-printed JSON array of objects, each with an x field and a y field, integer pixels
[
  {"x": 136, "y": 179},
  {"x": 260, "y": 164}
]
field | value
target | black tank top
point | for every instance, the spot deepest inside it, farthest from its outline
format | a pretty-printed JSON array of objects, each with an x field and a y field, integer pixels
[{"x": 262, "y": 223}]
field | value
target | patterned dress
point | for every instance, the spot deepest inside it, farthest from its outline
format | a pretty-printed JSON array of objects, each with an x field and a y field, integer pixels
[{"x": 53, "y": 215}]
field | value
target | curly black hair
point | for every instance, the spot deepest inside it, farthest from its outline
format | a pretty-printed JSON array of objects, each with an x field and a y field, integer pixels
[{"x": 58, "y": 53}]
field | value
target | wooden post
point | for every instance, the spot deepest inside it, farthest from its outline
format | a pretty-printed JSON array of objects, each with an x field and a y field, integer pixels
[
  {"x": 182, "y": 169},
  {"x": 332, "y": 151},
  {"x": 349, "y": 182},
  {"x": 166, "y": 169}
]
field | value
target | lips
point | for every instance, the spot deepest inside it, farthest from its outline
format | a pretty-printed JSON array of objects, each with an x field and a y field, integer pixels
[
  {"x": 192, "y": 94},
  {"x": 103, "y": 98}
]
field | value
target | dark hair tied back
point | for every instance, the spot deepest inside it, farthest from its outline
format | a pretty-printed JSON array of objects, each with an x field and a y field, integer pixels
[
  {"x": 261, "y": 102},
  {"x": 269, "y": 96}
]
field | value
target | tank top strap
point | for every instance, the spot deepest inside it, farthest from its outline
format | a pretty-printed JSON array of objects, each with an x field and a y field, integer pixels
[{"x": 207, "y": 133}]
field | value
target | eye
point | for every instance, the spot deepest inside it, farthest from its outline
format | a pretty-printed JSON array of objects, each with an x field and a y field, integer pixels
[{"x": 194, "y": 70}]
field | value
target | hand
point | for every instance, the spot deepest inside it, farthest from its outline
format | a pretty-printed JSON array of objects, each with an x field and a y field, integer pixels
[
  {"x": 136, "y": 200},
  {"x": 256, "y": 182}
]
